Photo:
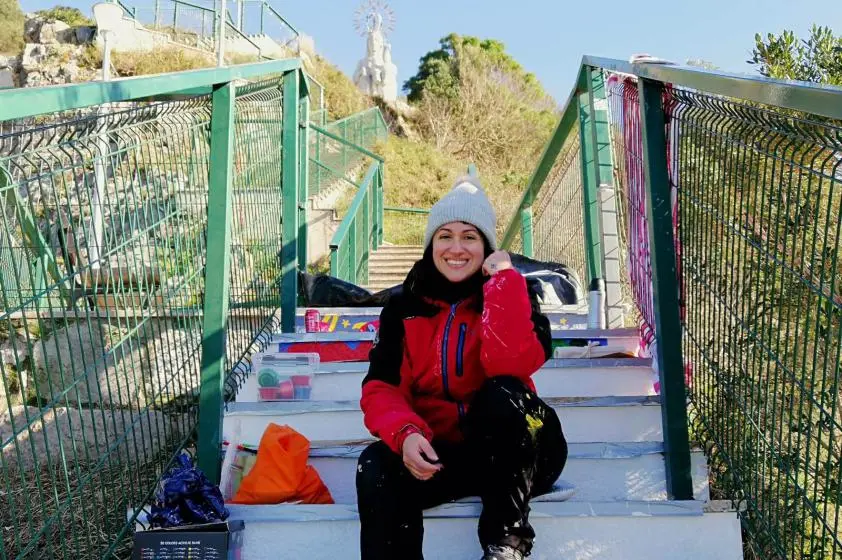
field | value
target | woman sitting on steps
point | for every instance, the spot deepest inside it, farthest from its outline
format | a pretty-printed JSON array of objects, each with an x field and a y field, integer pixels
[{"x": 449, "y": 392}]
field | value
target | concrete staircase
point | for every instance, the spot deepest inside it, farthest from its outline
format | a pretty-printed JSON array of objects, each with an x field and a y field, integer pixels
[
  {"x": 389, "y": 265},
  {"x": 610, "y": 502}
]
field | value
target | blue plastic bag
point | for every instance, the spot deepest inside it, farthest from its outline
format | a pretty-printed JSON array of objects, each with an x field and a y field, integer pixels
[{"x": 185, "y": 496}]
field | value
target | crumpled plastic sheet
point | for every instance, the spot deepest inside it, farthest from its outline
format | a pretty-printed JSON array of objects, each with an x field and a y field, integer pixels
[{"x": 185, "y": 496}]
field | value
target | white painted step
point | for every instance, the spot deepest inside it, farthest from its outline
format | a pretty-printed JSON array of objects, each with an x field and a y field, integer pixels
[
  {"x": 565, "y": 530},
  {"x": 613, "y": 335},
  {"x": 568, "y": 342},
  {"x": 638, "y": 476},
  {"x": 561, "y": 378},
  {"x": 561, "y": 317},
  {"x": 586, "y": 419},
  {"x": 388, "y": 267}
]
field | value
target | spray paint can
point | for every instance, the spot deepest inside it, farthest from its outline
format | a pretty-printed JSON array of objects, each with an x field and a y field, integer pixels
[{"x": 312, "y": 320}]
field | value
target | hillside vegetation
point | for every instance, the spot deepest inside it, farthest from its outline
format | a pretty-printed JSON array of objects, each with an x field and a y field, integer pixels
[
  {"x": 11, "y": 27},
  {"x": 474, "y": 104}
]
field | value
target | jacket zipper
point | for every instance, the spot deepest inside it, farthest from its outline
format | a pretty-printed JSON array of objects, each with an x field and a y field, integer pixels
[
  {"x": 444, "y": 381},
  {"x": 460, "y": 347}
]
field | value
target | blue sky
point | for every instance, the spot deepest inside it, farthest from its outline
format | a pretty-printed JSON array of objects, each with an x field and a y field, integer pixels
[{"x": 548, "y": 37}]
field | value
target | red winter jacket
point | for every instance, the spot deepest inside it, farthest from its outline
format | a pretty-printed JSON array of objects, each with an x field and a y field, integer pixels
[{"x": 430, "y": 357}]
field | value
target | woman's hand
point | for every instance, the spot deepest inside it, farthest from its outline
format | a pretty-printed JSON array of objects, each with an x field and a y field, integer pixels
[
  {"x": 496, "y": 262},
  {"x": 417, "y": 454}
]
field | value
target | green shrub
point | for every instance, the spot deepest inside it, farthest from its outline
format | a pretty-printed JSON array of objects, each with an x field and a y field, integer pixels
[
  {"x": 71, "y": 16},
  {"x": 11, "y": 27}
]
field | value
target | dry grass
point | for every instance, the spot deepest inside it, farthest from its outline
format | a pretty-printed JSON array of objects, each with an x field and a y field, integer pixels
[
  {"x": 160, "y": 60},
  {"x": 157, "y": 61},
  {"x": 342, "y": 97},
  {"x": 11, "y": 27}
]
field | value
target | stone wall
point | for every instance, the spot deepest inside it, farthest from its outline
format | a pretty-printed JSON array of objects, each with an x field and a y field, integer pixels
[{"x": 52, "y": 55}]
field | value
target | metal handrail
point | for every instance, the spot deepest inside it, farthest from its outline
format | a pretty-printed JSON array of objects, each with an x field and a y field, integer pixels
[{"x": 22, "y": 103}]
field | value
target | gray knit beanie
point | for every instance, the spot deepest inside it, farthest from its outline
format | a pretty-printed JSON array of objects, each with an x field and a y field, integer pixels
[{"x": 466, "y": 202}]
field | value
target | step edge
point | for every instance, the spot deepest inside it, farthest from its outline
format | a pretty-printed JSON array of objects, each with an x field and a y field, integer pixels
[
  {"x": 557, "y": 334},
  {"x": 616, "y": 451},
  {"x": 591, "y": 365},
  {"x": 456, "y": 510},
  {"x": 304, "y": 407}
]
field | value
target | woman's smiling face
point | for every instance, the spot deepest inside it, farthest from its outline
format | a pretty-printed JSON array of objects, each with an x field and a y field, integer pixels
[{"x": 458, "y": 251}]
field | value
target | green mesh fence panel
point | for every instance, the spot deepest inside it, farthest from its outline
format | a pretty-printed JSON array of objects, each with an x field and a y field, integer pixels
[
  {"x": 102, "y": 254},
  {"x": 759, "y": 224}
]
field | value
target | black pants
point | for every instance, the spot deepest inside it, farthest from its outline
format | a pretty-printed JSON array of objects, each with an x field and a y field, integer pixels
[{"x": 514, "y": 449}]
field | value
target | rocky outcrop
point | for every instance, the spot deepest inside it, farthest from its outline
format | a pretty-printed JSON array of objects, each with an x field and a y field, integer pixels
[
  {"x": 52, "y": 64},
  {"x": 80, "y": 435},
  {"x": 99, "y": 364},
  {"x": 52, "y": 55},
  {"x": 41, "y": 31},
  {"x": 400, "y": 117}
]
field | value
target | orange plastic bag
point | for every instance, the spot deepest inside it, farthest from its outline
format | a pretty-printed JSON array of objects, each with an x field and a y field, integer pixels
[{"x": 281, "y": 472}]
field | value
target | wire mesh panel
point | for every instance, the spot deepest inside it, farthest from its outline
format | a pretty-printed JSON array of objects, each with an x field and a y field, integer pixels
[
  {"x": 759, "y": 204},
  {"x": 256, "y": 240},
  {"x": 558, "y": 231},
  {"x": 102, "y": 261},
  {"x": 257, "y": 17},
  {"x": 633, "y": 222},
  {"x": 103, "y": 230},
  {"x": 185, "y": 23},
  {"x": 332, "y": 160},
  {"x": 359, "y": 232}
]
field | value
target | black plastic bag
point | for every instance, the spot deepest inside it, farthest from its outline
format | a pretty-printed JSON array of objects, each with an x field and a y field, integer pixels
[
  {"x": 185, "y": 496},
  {"x": 322, "y": 290},
  {"x": 542, "y": 275},
  {"x": 326, "y": 291}
]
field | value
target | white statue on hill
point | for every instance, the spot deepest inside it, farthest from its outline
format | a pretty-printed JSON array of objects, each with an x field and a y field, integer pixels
[{"x": 376, "y": 74}]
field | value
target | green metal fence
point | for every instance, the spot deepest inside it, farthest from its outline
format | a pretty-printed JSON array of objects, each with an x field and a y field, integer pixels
[
  {"x": 197, "y": 25},
  {"x": 361, "y": 231},
  {"x": 730, "y": 189},
  {"x": 549, "y": 222},
  {"x": 121, "y": 322},
  {"x": 754, "y": 166},
  {"x": 339, "y": 149},
  {"x": 258, "y": 17},
  {"x": 184, "y": 22}
]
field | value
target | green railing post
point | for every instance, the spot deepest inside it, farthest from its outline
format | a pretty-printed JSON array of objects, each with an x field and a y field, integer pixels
[
  {"x": 344, "y": 135},
  {"x": 217, "y": 265},
  {"x": 157, "y": 13},
  {"x": 175, "y": 16},
  {"x": 668, "y": 328},
  {"x": 289, "y": 192},
  {"x": 352, "y": 252},
  {"x": 303, "y": 178},
  {"x": 262, "y": 15},
  {"x": 381, "y": 215},
  {"x": 590, "y": 174},
  {"x": 526, "y": 232}
]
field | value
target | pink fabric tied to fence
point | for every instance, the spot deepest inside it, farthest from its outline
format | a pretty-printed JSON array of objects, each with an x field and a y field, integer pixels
[{"x": 626, "y": 114}]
